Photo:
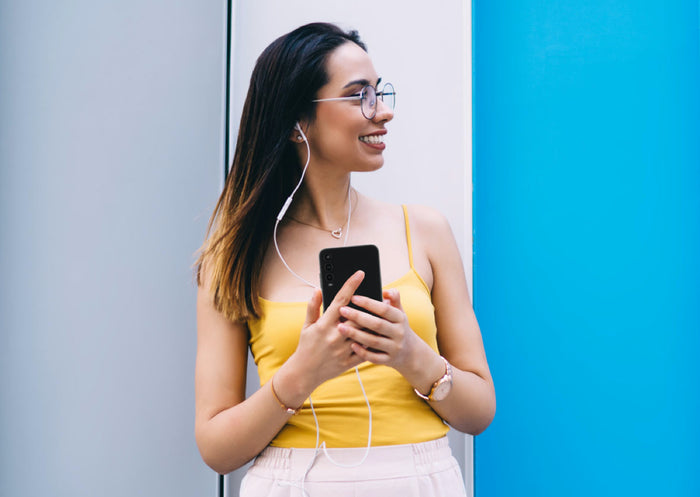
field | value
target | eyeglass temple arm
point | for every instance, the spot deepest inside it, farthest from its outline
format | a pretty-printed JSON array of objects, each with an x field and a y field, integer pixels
[{"x": 354, "y": 97}]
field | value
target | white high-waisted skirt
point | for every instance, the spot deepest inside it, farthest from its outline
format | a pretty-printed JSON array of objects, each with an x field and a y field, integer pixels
[{"x": 425, "y": 469}]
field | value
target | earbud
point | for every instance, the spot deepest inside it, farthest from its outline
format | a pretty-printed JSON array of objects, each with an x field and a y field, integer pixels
[{"x": 300, "y": 137}]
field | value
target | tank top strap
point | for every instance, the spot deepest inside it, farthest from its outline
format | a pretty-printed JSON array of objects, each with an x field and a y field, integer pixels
[{"x": 408, "y": 236}]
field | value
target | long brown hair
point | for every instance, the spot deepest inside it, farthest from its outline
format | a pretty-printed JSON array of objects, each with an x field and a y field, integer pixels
[{"x": 265, "y": 167}]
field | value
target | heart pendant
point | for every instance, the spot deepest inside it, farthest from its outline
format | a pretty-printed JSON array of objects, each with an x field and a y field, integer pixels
[{"x": 337, "y": 233}]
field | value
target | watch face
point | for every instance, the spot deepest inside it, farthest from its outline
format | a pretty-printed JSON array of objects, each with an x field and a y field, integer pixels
[{"x": 441, "y": 390}]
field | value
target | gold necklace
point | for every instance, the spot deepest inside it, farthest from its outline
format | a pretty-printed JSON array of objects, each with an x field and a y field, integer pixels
[{"x": 336, "y": 233}]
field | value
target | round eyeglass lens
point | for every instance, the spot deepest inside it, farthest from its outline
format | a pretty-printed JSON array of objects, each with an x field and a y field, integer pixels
[
  {"x": 388, "y": 95},
  {"x": 369, "y": 102}
]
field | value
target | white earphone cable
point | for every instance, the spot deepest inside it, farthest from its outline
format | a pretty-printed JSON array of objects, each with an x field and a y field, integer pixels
[
  {"x": 322, "y": 445},
  {"x": 286, "y": 205}
]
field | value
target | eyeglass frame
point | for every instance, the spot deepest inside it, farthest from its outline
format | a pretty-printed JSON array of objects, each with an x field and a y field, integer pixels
[{"x": 361, "y": 96}]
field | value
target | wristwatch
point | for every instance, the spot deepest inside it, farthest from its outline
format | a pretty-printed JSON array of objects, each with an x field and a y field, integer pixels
[{"x": 440, "y": 388}]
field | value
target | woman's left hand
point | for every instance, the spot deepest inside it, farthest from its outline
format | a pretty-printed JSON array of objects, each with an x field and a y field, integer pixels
[{"x": 385, "y": 338}]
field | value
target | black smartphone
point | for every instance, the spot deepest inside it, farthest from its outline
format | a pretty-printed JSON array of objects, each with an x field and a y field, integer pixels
[{"x": 339, "y": 263}]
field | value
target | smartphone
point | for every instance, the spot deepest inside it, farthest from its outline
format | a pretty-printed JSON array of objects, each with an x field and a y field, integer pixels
[{"x": 339, "y": 263}]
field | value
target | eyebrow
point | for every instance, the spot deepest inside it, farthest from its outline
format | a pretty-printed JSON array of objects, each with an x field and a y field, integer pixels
[{"x": 363, "y": 82}]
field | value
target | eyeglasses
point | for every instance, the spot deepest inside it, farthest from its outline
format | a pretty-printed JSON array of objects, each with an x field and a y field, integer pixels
[{"x": 368, "y": 99}]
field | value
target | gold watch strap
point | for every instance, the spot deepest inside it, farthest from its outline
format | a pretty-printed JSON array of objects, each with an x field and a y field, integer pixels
[{"x": 432, "y": 388}]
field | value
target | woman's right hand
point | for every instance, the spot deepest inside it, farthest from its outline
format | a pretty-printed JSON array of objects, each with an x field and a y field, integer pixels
[{"x": 323, "y": 352}]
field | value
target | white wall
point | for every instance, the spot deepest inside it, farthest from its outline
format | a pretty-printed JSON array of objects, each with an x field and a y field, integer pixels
[
  {"x": 110, "y": 161},
  {"x": 426, "y": 53}
]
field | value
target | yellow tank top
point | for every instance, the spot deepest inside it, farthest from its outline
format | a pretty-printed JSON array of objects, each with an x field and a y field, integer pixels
[{"x": 399, "y": 416}]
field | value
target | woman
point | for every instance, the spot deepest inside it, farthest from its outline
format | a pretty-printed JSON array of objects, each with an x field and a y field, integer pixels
[{"x": 316, "y": 111}]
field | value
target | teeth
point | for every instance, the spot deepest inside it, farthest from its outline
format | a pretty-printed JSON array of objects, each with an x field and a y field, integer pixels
[{"x": 372, "y": 139}]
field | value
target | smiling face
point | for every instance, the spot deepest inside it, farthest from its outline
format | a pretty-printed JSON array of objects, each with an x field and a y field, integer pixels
[{"x": 340, "y": 137}]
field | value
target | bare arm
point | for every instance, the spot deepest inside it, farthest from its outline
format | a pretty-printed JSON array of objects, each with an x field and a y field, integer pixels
[
  {"x": 471, "y": 404},
  {"x": 230, "y": 429}
]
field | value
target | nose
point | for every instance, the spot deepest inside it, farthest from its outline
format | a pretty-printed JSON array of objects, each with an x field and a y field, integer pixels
[{"x": 384, "y": 112}]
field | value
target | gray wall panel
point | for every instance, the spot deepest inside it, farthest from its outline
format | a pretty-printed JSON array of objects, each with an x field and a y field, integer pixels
[{"x": 110, "y": 162}]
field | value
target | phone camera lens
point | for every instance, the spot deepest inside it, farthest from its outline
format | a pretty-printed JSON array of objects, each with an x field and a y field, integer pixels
[
  {"x": 329, "y": 267},
  {"x": 327, "y": 257},
  {"x": 329, "y": 277}
]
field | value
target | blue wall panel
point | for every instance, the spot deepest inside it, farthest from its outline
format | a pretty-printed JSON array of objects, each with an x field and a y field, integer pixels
[{"x": 587, "y": 245}]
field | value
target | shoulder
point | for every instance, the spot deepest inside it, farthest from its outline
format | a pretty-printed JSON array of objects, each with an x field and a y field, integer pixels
[
  {"x": 432, "y": 236},
  {"x": 429, "y": 227},
  {"x": 421, "y": 217},
  {"x": 428, "y": 222}
]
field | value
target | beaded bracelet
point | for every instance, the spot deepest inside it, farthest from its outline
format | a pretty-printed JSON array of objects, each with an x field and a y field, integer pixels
[{"x": 290, "y": 410}]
